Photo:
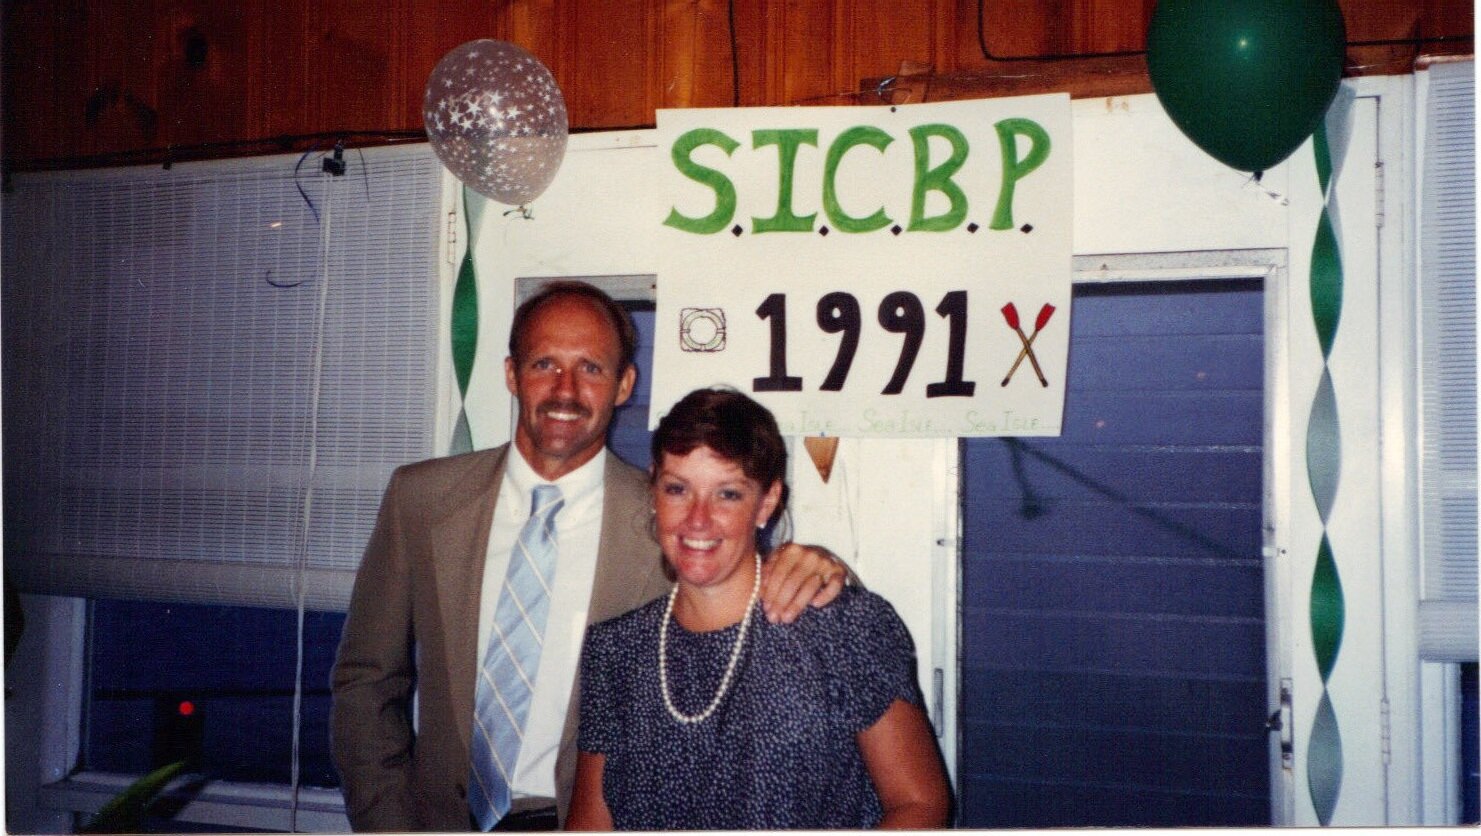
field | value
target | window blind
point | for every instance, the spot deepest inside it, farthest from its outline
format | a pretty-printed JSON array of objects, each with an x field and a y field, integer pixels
[
  {"x": 1447, "y": 367},
  {"x": 211, "y": 371}
]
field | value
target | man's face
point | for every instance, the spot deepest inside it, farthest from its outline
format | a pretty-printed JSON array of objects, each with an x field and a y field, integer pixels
[{"x": 568, "y": 384}]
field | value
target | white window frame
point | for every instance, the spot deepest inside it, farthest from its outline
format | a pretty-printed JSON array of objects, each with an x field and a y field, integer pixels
[
  {"x": 1438, "y": 702},
  {"x": 54, "y": 646}
]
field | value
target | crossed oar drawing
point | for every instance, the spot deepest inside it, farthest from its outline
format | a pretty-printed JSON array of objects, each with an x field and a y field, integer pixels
[{"x": 1010, "y": 313}]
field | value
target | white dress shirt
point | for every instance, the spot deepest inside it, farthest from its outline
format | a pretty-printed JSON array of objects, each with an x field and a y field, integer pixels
[{"x": 578, "y": 530}]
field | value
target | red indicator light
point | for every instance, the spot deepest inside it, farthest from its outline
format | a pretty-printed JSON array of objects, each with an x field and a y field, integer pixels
[{"x": 186, "y": 708}]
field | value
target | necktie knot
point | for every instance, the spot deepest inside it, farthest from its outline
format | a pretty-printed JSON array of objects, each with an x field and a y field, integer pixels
[{"x": 542, "y": 497}]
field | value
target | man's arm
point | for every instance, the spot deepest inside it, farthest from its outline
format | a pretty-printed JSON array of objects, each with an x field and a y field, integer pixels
[
  {"x": 374, "y": 674},
  {"x": 795, "y": 577}
]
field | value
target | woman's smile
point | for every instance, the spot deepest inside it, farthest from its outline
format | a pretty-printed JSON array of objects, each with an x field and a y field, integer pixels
[{"x": 707, "y": 513}]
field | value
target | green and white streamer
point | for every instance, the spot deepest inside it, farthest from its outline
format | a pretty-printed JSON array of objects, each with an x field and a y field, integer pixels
[
  {"x": 465, "y": 323},
  {"x": 1323, "y": 468}
]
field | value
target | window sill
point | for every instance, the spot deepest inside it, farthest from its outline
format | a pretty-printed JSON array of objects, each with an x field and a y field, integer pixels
[{"x": 261, "y": 807}]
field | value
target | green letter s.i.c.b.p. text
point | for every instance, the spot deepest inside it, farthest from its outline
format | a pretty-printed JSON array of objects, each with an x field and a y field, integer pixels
[
  {"x": 787, "y": 141},
  {"x": 841, "y": 220},
  {"x": 724, "y": 190},
  {"x": 937, "y": 179},
  {"x": 1015, "y": 169}
]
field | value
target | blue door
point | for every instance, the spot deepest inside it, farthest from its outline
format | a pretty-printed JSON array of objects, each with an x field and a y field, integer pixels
[
  {"x": 1112, "y": 623},
  {"x": 629, "y": 436}
]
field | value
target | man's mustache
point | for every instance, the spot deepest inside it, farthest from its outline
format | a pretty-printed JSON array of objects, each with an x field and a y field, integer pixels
[{"x": 569, "y": 407}]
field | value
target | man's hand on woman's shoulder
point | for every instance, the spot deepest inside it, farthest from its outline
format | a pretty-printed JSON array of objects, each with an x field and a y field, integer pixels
[{"x": 795, "y": 577}]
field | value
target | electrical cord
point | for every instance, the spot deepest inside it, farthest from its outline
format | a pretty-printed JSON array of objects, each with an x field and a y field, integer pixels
[{"x": 171, "y": 154}]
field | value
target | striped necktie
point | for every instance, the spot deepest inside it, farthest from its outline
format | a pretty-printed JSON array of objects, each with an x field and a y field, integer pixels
[{"x": 506, "y": 679}]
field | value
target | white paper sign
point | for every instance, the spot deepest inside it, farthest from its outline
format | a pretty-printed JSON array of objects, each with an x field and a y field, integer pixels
[{"x": 883, "y": 271}]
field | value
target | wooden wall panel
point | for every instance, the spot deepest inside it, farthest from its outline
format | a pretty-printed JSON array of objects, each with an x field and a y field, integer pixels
[
  {"x": 1101, "y": 51},
  {"x": 1017, "y": 29},
  {"x": 679, "y": 38},
  {"x": 1447, "y": 17},
  {"x": 803, "y": 45},
  {"x": 277, "y": 70},
  {"x": 36, "y": 65},
  {"x": 356, "y": 66},
  {"x": 1437, "y": 21},
  {"x": 1011, "y": 29},
  {"x": 759, "y": 29},
  {"x": 1100, "y": 26},
  {"x": 955, "y": 38},
  {"x": 605, "y": 57},
  {"x": 694, "y": 66},
  {"x": 599, "y": 52},
  {"x": 200, "y": 72},
  {"x": 1382, "y": 20},
  {"x": 883, "y": 34},
  {"x": 119, "y": 101},
  {"x": 433, "y": 28},
  {"x": 136, "y": 77}
]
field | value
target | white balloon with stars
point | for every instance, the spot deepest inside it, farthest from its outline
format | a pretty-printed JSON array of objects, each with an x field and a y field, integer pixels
[{"x": 496, "y": 119}]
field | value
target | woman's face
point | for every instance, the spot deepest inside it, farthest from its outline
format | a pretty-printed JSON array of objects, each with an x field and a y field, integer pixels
[{"x": 708, "y": 511}]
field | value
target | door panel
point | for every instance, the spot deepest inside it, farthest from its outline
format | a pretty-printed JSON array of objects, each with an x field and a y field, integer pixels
[{"x": 1113, "y": 624}]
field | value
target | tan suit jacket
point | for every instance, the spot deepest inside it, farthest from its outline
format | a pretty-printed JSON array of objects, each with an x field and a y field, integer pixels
[{"x": 413, "y": 627}]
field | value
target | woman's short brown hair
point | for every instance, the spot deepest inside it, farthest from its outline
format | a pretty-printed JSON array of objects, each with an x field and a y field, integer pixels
[{"x": 735, "y": 427}]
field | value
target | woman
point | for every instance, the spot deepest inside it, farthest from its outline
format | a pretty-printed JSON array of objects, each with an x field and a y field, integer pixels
[{"x": 696, "y": 713}]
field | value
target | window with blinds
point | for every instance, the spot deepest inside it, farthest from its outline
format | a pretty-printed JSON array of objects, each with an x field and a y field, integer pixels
[
  {"x": 210, "y": 372},
  {"x": 1447, "y": 367}
]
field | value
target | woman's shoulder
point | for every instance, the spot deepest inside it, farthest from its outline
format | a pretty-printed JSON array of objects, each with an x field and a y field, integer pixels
[
  {"x": 856, "y": 602},
  {"x": 856, "y": 610},
  {"x": 864, "y": 652}
]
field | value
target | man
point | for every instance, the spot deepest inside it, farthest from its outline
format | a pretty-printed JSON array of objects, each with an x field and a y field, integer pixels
[{"x": 442, "y": 574}]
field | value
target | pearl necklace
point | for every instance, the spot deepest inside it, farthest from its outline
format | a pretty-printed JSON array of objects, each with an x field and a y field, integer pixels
[{"x": 740, "y": 639}]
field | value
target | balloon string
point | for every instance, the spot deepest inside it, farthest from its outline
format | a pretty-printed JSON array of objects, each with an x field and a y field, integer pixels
[
  {"x": 1273, "y": 195},
  {"x": 297, "y": 185},
  {"x": 523, "y": 210}
]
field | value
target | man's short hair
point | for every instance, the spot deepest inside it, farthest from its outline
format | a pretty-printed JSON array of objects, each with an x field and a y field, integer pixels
[{"x": 622, "y": 324}]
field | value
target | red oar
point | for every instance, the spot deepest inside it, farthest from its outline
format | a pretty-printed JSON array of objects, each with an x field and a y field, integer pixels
[
  {"x": 1010, "y": 313},
  {"x": 1043, "y": 319}
]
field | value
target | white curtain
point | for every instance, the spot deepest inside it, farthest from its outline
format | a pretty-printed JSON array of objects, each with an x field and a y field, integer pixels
[
  {"x": 1447, "y": 366},
  {"x": 211, "y": 371}
]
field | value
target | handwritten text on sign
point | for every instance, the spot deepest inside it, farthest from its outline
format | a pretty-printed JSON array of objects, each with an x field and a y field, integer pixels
[{"x": 889, "y": 271}]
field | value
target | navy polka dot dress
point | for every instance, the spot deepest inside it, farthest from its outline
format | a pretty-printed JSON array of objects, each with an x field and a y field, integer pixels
[{"x": 779, "y": 751}]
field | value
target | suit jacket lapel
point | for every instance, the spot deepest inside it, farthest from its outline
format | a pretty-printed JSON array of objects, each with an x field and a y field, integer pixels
[
  {"x": 460, "y": 548},
  {"x": 623, "y": 582}
]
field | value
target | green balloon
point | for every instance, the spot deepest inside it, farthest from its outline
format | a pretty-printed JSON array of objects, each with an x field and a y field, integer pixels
[{"x": 1247, "y": 80}]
